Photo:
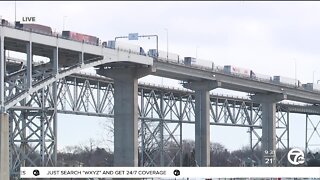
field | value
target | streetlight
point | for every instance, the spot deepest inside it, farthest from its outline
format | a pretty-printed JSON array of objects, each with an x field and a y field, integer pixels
[
  {"x": 295, "y": 71},
  {"x": 15, "y": 11},
  {"x": 167, "y": 51},
  {"x": 197, "y": 52},
  {"x": 313, "y": 76},
  {"x": 167, "y": 43}
]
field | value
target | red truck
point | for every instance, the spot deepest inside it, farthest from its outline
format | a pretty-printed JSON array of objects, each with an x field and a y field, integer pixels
[
  {"x": 34, "y": 28},
  {"x": 80, "y": 37}
]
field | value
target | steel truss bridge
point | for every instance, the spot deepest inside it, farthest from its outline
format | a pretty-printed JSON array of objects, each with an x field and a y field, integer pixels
[
  {"x": 31, "y": 96},
  {"x": 162, "y": 112}
]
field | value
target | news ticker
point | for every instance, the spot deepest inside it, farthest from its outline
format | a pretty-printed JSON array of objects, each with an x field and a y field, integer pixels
[{"x": 170, "y": 172}]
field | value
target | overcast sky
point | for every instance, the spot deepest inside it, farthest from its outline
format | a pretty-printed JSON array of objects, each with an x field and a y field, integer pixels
[{"x": 268, "y": 37}]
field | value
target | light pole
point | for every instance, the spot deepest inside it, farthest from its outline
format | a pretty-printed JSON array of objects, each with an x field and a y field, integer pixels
[
  {"x": 197, "y": 52},
  {"x": 167, "y": 43},
  {"x": 167, "y": 51},
  {"x": 15, "y": 11},
  {"x": 295, "y": 71},
  {"x": 313, "y": 76}
]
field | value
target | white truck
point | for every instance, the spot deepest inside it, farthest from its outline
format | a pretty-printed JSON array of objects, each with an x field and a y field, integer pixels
[
  {"x": 286, "y": 80},
  {"x": 163, "y": 55},
  {"x": 260, "y": 77},
  {"x": 191, "y": 61},
  {"x": 124, "y": 46}
]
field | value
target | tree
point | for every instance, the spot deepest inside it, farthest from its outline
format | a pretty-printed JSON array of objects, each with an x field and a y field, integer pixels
[
  {"x": 85, "y": 155},
  {"x": 151, "y": 149},
  {"x": 219, "y": 155}
]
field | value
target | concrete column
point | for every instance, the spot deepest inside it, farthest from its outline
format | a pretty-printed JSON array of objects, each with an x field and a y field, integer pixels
[
  {"x": 55, "y": 122},
  {"x": 202, "y": 119},
  {"x": 4, "y": 119},
  {"x": 268, "y": 102},
  {"x": 161, "y": 126},
  {"x": 4, "y": 146},
  {"x": 142, "y": 128},
  {"x": 81, "y": 57},
  {"x": 29, "y": 64},
  {"x": 55, "y": 63},
  {"x": 2, "y": 73},
  {"x": 125, "y": 114}
]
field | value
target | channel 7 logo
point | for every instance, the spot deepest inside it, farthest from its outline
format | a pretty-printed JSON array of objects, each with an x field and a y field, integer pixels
[{"x": 296, "y": 156}]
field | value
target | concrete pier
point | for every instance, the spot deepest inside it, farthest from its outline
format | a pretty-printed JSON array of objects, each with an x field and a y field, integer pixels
[
  {"x": 268, "y": 102},
  {"x": 125, "y": 113},
  {"x": 202, "y": 119},
  {"x": 4, "y": 146}
]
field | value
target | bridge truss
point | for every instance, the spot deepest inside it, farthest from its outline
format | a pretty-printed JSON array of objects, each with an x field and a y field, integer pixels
[{"x": 163, "y": 112}]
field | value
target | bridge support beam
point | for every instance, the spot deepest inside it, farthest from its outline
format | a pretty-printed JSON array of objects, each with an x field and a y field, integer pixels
[
  {"x": 4, "y": 146},
  {"x": 268, "y": 102},
  {"x": 4, "y": 120},
  {"x": 29, "y": 64},
  {"x": 2, "y": 73},
  {"x": 202, "y": 119},
  {"x": 125, "y": 113}
]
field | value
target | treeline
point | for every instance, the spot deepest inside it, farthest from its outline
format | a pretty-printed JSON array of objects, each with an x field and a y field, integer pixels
[{"x": 219, "y": 156}]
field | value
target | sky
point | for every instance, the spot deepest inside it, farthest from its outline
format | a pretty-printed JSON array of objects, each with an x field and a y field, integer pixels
[{"x": 274, "y": 38}]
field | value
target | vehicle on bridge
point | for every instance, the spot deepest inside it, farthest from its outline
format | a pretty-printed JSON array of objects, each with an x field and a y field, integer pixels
[
  {"x": 286, "y": 80},
  {"x": 80, "y": 37},
  {"x": 42, "y": 29},
  {"x": 260, "y": 77},
  {"x": 191, "y": 61},
  {"x": 229, "y": 69},
  {"x": 37, "y": 28},
  {"x": 163, "y": 55},
  {"x": 5, "y": 22},
  {"x": 311, "y": 87},
  {"x": 120, "y": 45}
]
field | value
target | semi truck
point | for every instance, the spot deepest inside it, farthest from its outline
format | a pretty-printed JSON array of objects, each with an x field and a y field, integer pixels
[
  {"x": 286, "y": 80},
  {"x": 132, "y": 48},
  {"x": 191, "y": 61},
  {"x": 236, "y": 70},
  {"x": 163, "y": 55},
  {"x": 80, "y": 37},
  {"x": 38, "y": 28}
]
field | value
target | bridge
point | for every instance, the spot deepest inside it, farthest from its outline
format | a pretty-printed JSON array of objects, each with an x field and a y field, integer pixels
[{"x": 32, "y": 95}]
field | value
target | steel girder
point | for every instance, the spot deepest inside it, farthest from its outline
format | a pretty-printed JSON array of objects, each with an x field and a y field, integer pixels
[
  {"x": 84, "y": 97},
  {"x": 161, "y": 117},
  {"x": 33, "y": 131},
  {"x": 282, "y": 136},
  {"x": 312, "y": 133}
]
